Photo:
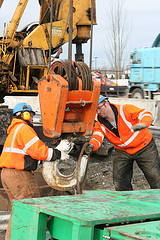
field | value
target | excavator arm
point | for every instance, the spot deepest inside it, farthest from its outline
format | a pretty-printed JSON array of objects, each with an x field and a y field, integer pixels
[{"x": 1, "y": 1}]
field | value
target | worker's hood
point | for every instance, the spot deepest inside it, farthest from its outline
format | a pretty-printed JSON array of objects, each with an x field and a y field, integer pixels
[{"x": 15, "y": 122}]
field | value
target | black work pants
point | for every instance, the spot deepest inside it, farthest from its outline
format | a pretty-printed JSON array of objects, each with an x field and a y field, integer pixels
[{"x": 148, "y": 161}]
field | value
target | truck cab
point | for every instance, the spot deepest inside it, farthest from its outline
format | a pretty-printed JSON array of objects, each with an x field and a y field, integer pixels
[{"x": 144, "y": 72}]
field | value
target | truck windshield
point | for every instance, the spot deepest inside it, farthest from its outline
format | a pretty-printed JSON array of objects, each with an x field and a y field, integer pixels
[{"x": 135, "y": 58}]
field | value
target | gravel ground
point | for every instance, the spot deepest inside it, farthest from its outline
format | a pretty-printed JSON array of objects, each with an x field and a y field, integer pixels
[{"x": 2, "y": 235}]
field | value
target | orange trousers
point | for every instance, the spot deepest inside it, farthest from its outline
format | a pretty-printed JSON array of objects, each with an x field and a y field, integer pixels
[{"x": 18, "y": 184}]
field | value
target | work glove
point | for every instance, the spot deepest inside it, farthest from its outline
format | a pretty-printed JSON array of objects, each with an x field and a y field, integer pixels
[
  {"x": 64, "y": 156},
  {"x": 89, "y": 148},
  {"x": 139, "y": 126},
  {"x": 56, "y": 154},
  {"x": 65, "y": 147}
]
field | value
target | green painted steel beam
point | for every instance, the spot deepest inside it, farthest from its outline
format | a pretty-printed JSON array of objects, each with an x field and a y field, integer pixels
[{"x": 139, "y": 231}]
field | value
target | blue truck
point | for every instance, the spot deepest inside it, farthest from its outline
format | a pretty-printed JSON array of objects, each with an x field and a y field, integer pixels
[{"x": 145, "y": 71}]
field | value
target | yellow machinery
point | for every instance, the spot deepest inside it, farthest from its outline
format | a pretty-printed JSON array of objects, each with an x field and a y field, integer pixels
[
  {"x": 24, "y": 54},
  {"x": 68, "y": 95}
]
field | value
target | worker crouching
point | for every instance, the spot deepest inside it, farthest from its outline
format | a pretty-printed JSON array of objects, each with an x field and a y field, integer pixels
[{"x": 21, "y": 152}]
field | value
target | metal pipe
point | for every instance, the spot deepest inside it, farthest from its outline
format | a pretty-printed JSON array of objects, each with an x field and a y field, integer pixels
[
  {"x": 50, "y": 40},
  {"x": 90, "y": 64},
  {"x": 16, "y": 18},
  {"x": 70, "y": 36}
]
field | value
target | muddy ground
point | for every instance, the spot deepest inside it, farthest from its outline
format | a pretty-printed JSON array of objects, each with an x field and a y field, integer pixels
[{"x": 99, "y": 174}]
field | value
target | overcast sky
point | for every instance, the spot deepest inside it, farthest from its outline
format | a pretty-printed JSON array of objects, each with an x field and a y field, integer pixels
[{"x": 143, "y": 17}]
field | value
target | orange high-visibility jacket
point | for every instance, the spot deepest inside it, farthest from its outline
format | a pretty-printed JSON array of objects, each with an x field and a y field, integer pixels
[
  {"x": 128, "y": 140},
  {"x": 23, "y": 148}
]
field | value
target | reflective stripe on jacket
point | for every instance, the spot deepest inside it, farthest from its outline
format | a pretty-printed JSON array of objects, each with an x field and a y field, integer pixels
[
  {"x": 23, "y": 148},
  {"x": 128, "y": 140}
]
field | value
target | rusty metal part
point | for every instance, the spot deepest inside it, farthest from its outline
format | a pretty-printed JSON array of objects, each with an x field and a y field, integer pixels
[
  {"x": 79, "y": 69},
  {"x": 83, "y": 73},
  {"x": 29, "y": 56},
  {"x": 62, "y": 68},
  {"x": 88, "y": 72},
  {"x": 5, "y": 119},
  {"x": 61, "y": 182},
  {"x": 91, "y": 45},
  {"x": 50, "y": 39},
  {"x": 79, "y": 189}
]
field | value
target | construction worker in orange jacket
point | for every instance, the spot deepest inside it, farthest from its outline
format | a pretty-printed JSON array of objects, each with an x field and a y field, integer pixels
[
  {"x": 126, "y": 127},
  {"x": 21, "y": 152}
]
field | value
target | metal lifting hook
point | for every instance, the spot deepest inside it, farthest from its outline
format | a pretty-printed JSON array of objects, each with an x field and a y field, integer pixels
[
  {"x": 82, "y": 102},
  {"x": 61, "y": 182}
]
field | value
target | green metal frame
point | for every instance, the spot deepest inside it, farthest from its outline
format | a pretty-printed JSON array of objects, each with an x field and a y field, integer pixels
[{"x": 78, "y": 217}]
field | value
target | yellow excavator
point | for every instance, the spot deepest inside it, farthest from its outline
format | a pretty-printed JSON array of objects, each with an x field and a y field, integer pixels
[
  {"x": 68, "y": 95},
  {"x": 24, "y": 54}
]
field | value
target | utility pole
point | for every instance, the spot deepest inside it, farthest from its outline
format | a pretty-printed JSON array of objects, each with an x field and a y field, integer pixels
[{"x": 95, "y": 62}]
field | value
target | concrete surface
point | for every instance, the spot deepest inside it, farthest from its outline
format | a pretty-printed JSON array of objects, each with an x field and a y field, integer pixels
[
  {"x": 151, "y": 105},
  {"x": 4, "y": 218}
]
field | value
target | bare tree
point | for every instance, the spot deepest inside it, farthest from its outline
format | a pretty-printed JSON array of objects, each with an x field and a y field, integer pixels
[{"x": 117, "y": 35}]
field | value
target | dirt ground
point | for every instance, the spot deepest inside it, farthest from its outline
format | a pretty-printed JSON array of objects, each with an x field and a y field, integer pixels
[{"x": 99, "y": 174}]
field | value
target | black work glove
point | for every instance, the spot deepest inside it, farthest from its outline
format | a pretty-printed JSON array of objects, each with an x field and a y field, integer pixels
[
  {"x": 89, "y": 148},
  {"x": 56, "y": 155}
]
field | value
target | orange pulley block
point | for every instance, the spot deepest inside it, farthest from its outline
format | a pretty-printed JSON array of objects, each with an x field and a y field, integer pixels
[{"x": 68, "y": 105}]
